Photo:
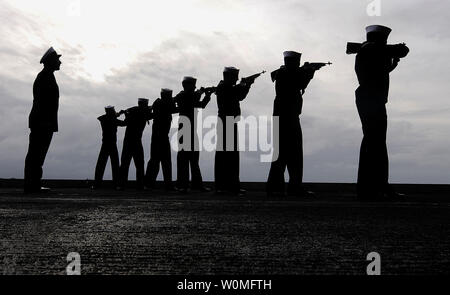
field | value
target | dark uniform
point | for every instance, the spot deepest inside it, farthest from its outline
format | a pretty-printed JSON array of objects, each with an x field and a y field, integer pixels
[
  {"x": 160, "y": 146},
  {"x": 226, "y": 167},
  {"x": 135, "y": 119},
  {"x": 43, "y": 121},
  {"x": 289, "y": 85},
  {"x": 187, "y": 102},
  {"x": 373, "y": 64},
  {"x": 109, "y": 123}
]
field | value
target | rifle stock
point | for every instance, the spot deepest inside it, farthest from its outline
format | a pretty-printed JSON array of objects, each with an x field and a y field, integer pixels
[
  {"x": 252, "y": 78},
  {"x": 353, "y": 47},
  {"x": 399, "y": 50},
  {"x": 209, "y": 90},
  {"x": 316, "y": 65}
]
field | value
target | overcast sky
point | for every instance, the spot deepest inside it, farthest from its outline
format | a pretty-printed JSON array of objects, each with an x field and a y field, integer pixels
[{"x": 116, "y": 51}]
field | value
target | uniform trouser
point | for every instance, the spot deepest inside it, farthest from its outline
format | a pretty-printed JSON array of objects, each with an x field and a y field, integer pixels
[
  {"x": 39, "y": 143},
  {"x": 373, "y": 171},
  {"x": 290, "y": 156},
  {"x": 226, "y": 166},
  {"x": 159, "y": 154},
  {"x": 132, "y": 149},
  {"x": 108, "y": 150},
  {"x": 184, "y": 160},
  {"x": 190, "y": 157}
]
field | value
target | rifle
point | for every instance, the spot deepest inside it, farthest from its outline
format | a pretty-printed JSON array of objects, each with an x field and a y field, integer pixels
[
  {"x": 353, "y": 47},
  {"x": 130, "y": 112},
  {"x": 251, "y": 79},
  {"x": 400, "y": 49},
  {"x": 208, "y": 90},
  {"x": 316, "y": 65}
]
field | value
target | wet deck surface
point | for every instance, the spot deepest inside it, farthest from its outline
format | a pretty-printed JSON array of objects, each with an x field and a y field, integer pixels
[{"x": 135, "y": 232}]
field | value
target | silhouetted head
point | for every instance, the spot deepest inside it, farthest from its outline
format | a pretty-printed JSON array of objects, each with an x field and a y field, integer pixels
[
  {"x": 378, "y": 34},
  {"x": 166, "y": 93},
  {"x": 189, "y": 83},
  {"x": 50, "y": 59},
  {"x": 292, "y": 59},
  {"x": 110, "y": 111},
  {"x": 230, "y": 75},
  {"x": 142, "y": 102}
]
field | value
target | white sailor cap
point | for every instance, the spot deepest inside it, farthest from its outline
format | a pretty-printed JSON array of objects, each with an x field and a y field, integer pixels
[
  {"x": 231, "y": 70},
  {"x": 109, "y": 108},
  {"x": 48, "y": 54},
  {"x": 189, "y": 79},
  {"x": 379, "y": 29},
  {"x": 166, "y": 90},
  {"x": 143, "y": 100},
  {"x": 292, "y": 54}
]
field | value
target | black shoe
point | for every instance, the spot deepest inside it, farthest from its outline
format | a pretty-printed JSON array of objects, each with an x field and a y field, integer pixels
[
  {"x": 308, "y": 194},
  {"x": 170, "y": 188},
  {"x": 371, "y": 197},
  {"x": 241, "y": 192},
  {"x": 220, "y": 192},
  {"x": 394, "y": 196},
  {"x": 202, "y": 189},
  {"x": 36, "y": 190},
  {"x": 182, "y": 191},
  {"x": 276, "y": 194},
  {"x": 30, "y": 190},
  {"x": 302, "y": 194}
]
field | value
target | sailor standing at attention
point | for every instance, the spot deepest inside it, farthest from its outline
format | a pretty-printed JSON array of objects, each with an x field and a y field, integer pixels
[{"x": 43, "y": 120}]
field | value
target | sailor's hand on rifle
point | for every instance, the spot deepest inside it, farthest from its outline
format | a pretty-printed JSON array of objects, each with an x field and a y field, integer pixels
[
  {"x": 248, "y": 81},
  {"x": 395, "y": 61},
  {"x": 316, "y": 65},
  {"x": 207, "y": 97},
  {"x": 208, "y": 90}
]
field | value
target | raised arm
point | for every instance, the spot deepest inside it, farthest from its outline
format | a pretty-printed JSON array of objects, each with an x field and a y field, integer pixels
[
  {"x": 306, "y": 75},
  {"x": 121, "y": 123},
  {"x": 242, "y": 90},
  {"x": 199, "y": 103},
  {"x": 397, "y": 51}
]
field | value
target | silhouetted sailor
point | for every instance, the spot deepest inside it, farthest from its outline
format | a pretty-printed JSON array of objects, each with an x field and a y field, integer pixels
[
  {"x": 109, "y": 123},
  {"x": 291, "y": 81},
  {"x": 188, "y": 100},
  {"x": 374, "y": 61},
  {"x": 135, "y": 119},
  {"x": 163, "y": 108},
  {"x": 229, "y": 95},
  {"x": 43, "y": 120}
]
